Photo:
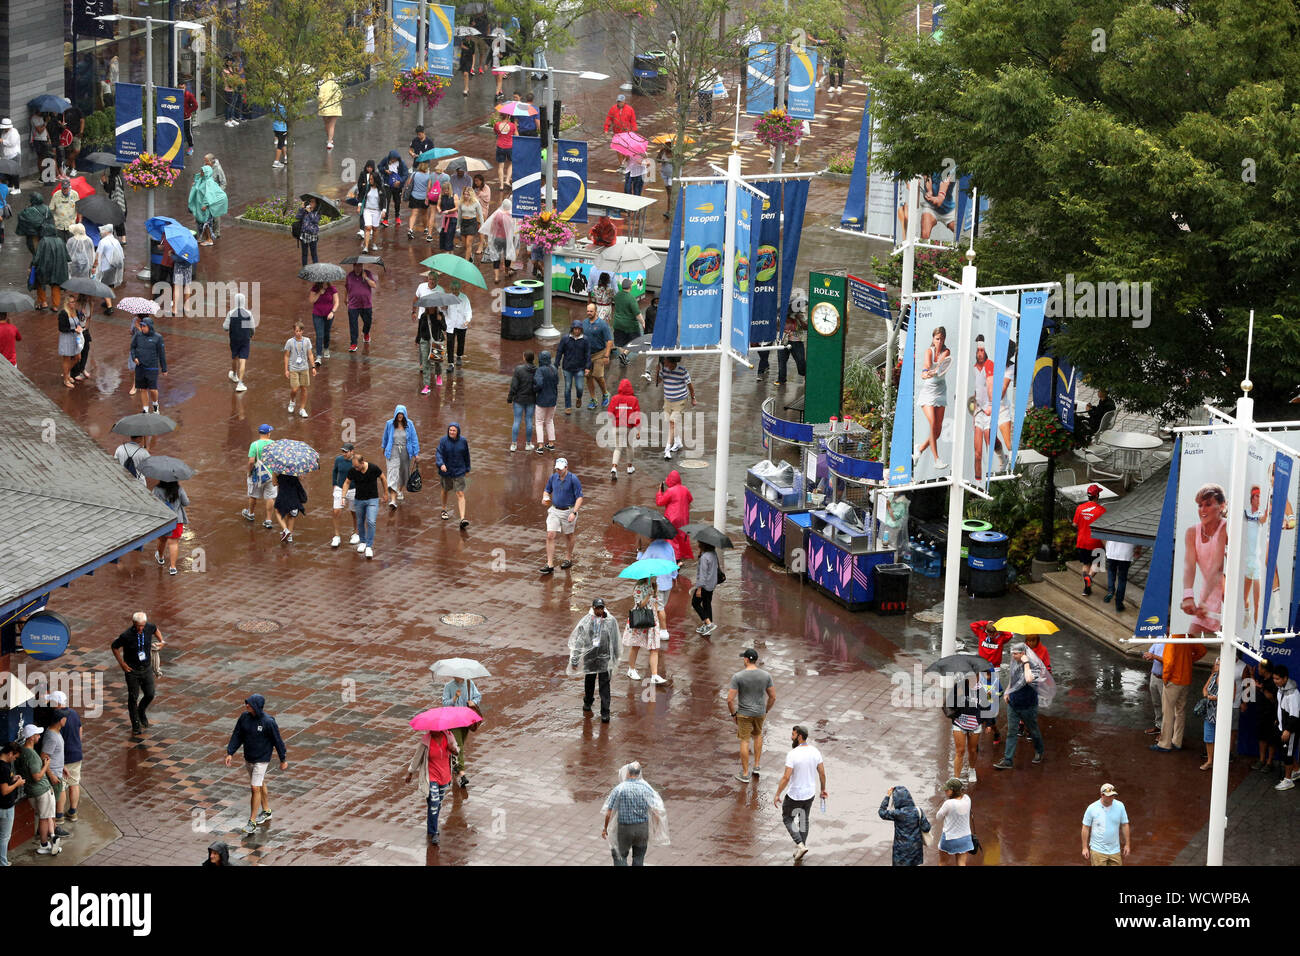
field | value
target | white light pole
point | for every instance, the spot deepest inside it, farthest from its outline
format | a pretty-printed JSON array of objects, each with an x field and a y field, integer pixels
[
  {"x": 548, "y": 331},
  {"x": 422, "y": 55},
  {"x": 724, "y": 369}
]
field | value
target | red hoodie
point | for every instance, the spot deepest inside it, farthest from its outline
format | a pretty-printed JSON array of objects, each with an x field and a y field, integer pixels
[
  {"x": 676, "y": 500},
  {"x": 624, "y": 407}
]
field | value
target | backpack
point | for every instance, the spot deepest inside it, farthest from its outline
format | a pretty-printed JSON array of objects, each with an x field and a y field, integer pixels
[
  {"x": 296, "y": 228},
  {"x": 129, "y": 464}
]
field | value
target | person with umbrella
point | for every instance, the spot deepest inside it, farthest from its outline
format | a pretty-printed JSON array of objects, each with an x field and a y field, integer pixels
[
  {"x": 323, "y": 298},
  {"x": 432, "y": 761},
  {"x": 49, "y": 268},
  {"x": 174, "y": 497},
  {"x": 1022, "y": 700},
  {"x": 149, "y": 358},
  {"x": 131, "y": 455},
  {"x": 505, "y": 128},
  {"x": 634, "y": 170},
  {"x": 962, "y": 707},
  {"x": 401, "y": 447},
  {"x": 83, "y": 307},
  {"x": 63, "y": 207},
  {"x": 461, "y": 692},
  {"x": 595, "y": 647},
  {"x": 240, "y": 324},
  {"x": 70, "y": 338},
  {"x": 207, "y": 201},
  {"x": 110, "y": 262},
  {"x": 645, "y": 629},
  {"x": 309, "y": 229},
  {"x": 299, "y": 367},
  {"x": 290, "y": 500},
  {"x": 675, "y": 498}
]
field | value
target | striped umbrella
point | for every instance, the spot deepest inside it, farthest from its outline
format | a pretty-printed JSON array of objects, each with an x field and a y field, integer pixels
[{"x": 290, "y": 457}]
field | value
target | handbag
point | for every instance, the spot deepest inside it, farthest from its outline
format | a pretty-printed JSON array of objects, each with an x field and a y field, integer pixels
[
  {"x": 975, "y": 844},
  {"x": 479, "y": 725},
  {"x": 641, "y": 618},
  {"x": 1201, "y": 707},
  {"x": 414, "y": 482},
  {"x": 722, "y": 575},
  {"x": 31, "y": 277}
]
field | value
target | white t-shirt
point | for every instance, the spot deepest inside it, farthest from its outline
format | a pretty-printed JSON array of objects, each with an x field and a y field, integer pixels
[
  {"x": 802, "y": 762},
  {"x": 458, "y": 315},
  {"x": 955, "y": 815},
  {"x": 1119, "y": 551}
]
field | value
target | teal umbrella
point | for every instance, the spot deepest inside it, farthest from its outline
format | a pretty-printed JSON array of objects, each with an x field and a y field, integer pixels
[
  {"x": 438, "y": 152},
  {"x": 456, "y": 267},
  {"x": 648, "y": 568}
]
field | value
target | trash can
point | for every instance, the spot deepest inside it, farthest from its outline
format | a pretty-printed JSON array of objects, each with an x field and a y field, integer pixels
[
  {"x": 969, "y": 527},
  {"x": 538, "y": 293},
  {"x": 646, "y": 78},
  {"x": 988, "y": 564},
  {"x": 891, "y": 588},
  {"x": 517, "y": 315}
]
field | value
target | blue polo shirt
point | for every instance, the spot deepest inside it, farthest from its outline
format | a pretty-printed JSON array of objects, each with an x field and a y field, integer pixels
[
  {"x": 598, "y": 333},
  {"x": 563, "y": 491}
]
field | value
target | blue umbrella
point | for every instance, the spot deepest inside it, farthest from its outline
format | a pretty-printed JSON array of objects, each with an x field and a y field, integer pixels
[
  {"x": 48, "y": 103},
  {"x": 438, "y": 152},
  {"x": 648, "y": 568},
  {"x": 178, "y": 237}
]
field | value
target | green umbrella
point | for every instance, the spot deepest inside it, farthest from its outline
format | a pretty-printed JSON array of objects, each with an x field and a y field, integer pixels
[{"x": 457, "y": 268}]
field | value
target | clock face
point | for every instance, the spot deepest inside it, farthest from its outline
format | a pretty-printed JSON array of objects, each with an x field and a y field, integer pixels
[{"x": 825, "y": 318}]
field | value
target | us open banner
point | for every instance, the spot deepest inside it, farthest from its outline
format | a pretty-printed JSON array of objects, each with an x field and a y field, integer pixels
[
  {"x": 703, "y": 235},
  {"x": 665, "y": 333},
  {"x": 128, "y": 139},
  {"x": 1153, "y": 616},
  {"x": 406, "y": 17},
  {"x": 1280, "y": 518},
  {"x": 571, "y": 184},
  {"x": 855, "y": 203},
  {"x": 750, "y": 208},
  {"x": 802, "y": 92},
  {"x": 168, "y": 125},
  {"x": 794, "y": 198},
  {"x": 442, "y": 43},
  {"x": 1033, "y": 306},
  {"x": 526, "y": 198},
  {"x": 764, "y": 321},
  {"x": 760, "y": 78}
]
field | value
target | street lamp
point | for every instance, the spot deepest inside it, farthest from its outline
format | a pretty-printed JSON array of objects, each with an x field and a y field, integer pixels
[{"x": 548, "y": 331}]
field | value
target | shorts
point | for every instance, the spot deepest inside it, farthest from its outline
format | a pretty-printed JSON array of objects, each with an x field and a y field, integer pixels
[
  {"x": 300, "y": 379},
  {"x": 1251, "y": 566},
  {"x": 747, "y": 727},
  {"x": 43, "y": 806},
  {"x": 239, "y": 348},
  {"x": 414, "y": 203},
  {"x": 956, "y": 845},
  {"x": 673, "y": 411},
  {"x": 1105, "y": 859},
  {"x": 72, "y": 774},
  {"x": 503, "y": 155},
  {"x": 256, "y": 773},
  {"x": 281, "y": 138},
  {"x": 947, "y": 218},
  {"x": 261, "y": 489},
  {"x": 598, "y": 366},
  {"x": 340, "y": 502},
  {"x": 178, "y": 530},
  {"x": 76, "y": 143},
  {"x": 469, "y": 227},
  {"x": 557, "y": 520},
  {"x": 371, "y": 218},
  {"x": 452, "y": 484},
  {"x": 1084, "y": 556},
  {"x": 146, "y": 378}
]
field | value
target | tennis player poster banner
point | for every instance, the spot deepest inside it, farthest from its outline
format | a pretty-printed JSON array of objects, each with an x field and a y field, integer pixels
[
  {"x": 934, "y": 401},
  {"x": 703, "y": 235},
  {"x": 571, "y": 180},
  {"x": 984, "y": 393},
  {"x": 900, "y": 444},
  {"x": 760, "y": 79},
  {"x": 1274, "y": 524},
  {"x": 526, "y": 195},
  {"x": 1002, "y": 409},
  {"x": 1153, "y": 616},
  {"x": 1033, "y": 307}
]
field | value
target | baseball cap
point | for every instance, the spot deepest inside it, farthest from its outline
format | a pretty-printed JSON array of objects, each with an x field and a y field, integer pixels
[
  {"x": 264, "y": 429},
  {"x": 30, "y": 731},
  {"x": 622, "y": 98},
  {"x": 577, "y": 324},
  {"x": 561, "y": 463},
  {"x": 750, "y": 654},
  {"x": 348, "y": 446},
  {"x": 598, "y": 602},
  {"x": 1094, "y": 490},
  {"x": 1107, "y": 790}
]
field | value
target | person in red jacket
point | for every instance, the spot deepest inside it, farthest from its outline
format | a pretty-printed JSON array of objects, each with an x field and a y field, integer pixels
[
  {"x": 625, "y": 416},
  {"x": 675, "y": 499},
  {"x": 1035, "y": 644},
  {"x": 621, "y": 117},
  {"x": 1084, "y": 543},
  {"x": 9, "y": 335},
  {"x": 191, "y": 107}
]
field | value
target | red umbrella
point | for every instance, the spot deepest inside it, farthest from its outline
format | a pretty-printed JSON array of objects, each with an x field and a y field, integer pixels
[
  {"x": 81, "y": 187},
  {"x": 445, "y": 718}
]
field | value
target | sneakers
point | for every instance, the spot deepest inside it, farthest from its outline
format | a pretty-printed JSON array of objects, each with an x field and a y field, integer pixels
[
  {"x": 1038, "y": 758},
  {"x": 527, "y": 447},
  {"x": 647, "y": 376},
  {"x": 668, "y": 454},
  {"x": 49, "y": 849},
  {"x": 241, "y": 387},
  {"x": 277, "y": 165},
  {"x": 744, "y": 777},
  {"x": 352, "y": 348},
  {"x": 633, "y": 674},
  {"x": 971, "y": 776},
  {"x": 232, "y": 376},
  {"x": 392, "y": 504},
  {"x": 284, "y": 533},
  {"x": 613, "y": 474},
  {"x": 514, "y": 446},
  {"x": 250, "y": 827},
  {"x": 335, "y": 541},
  {"x": 700, "y": 629},
  {"x": 292, "y": 406},
  {"x": 464, "y": 523},
  {"x": 539, "y": 449},
  {"x": 159, "y": 558},
  {"x": 366, "y": 338},
  {"x": 591, "y": 404},
  {"x": 1108, "y": 596},
  {"x": 330, "y": 144},
  {"x": 263, "y": 817},
  {"x": 173, "y": 570},
  {"x": 302, "y": 412},
  {"x": 1285, "y": 783},
  {"x": 656, "y": 679},
  {"x": 267, "y": 523},
  {"x": 631, "y": 469},
  {"x": 604, "y": 402},
  {"x": 361, "y": 548},
  {"x": 708, "y": 629},
  {"x": 426, "y": 390},
  {"x": 370, "y": 552},
  {"x": 401, "y": 496},
  {"x": 801, "y": 850},
  {"x": 438, "y": 381},
  {"x": 248, "y": 515},
  {"x": 327, "y": 354},
  {"x": 355, "y": 539},
  {"x": 1004, "y": 764}
]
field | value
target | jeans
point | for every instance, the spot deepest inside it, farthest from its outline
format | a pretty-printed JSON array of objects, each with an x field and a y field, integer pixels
[
  {"x": 139, "y": 687},
  {"x": 633, "y": 185},
  {"x": 323, "y": 325},
  {"x": 1030, "y": 717},
  {"x": 366, "y": 316},
  {"x": 703, "y": 605},
  {"x": 367, "y": 515},
  {"x": 797, "y": 350},
  {"x": 308, "y": 246},
  {"x": 570, "y": 379},
  {"x": 1117, "y": 578},
  {"x": 434, "y": 804},
  {"x": 630, "y": 836},
  {"x": 232, "y": 105},
  {"x": 589, "y": 692},
  {"x": 523, "y": 413},
  {"x": 6, "y": 831},
  {"x": 794, "y": 814}
]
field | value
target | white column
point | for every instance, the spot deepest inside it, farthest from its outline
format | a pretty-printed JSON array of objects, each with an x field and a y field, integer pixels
[
  {"x": 724, "y": 369},
  {"x": 548, "y": 332},
  {"x": 422, "y": 54},
  {"x": 960, "y": 435}
]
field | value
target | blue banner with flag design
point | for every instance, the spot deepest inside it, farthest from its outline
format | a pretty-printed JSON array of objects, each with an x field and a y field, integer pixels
[
  {"x": 703, "y": 236},
  {"x": 571, "y": 181},
  {"x": 760, "y": 78},
  {"x": 526, "y": 194},
  {"x": 802, "y": 91}
]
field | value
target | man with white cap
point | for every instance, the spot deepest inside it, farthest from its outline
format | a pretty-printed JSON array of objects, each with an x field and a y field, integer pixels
[
  {"x": 10, "y": 148},
  {"x": 1105, "y": 829},
  {"x": 34, "y": 768},
  {"x": 564, "y": 499}
]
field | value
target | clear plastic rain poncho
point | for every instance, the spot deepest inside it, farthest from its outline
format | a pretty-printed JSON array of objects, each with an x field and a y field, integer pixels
[
  {"x": 595, "y": 645},
  {"x": 1043, "y": 682},
  {"x": 658, "y": 815}
]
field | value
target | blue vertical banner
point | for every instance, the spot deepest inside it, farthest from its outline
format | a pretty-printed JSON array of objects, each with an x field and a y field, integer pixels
[
  {"x": 764, "y": 321},
  {"x": 748, "y": 212},
  {"x": 406, "y": 18},
  {"x": 665, "y": 333},
  {"x": 526, "y": 195},
  {"x": 1001, "y": 346},
  {"x": 1277, "y": 518},
  {"x": 1033, "y": 307},
  {"x": 169, "y": 125},
  {"x": 128, "y": 108},
  {"x": 1066, "y": 379},
  {"x": 441, "y": 37},
  {"x": 571, "y": 180},
  {"x": 760, "y": 79},
  {"x": 802, "y": 92},
  {"x": 1153, "y": 617},
  {"x": 900, "y": 445},
  {"x": 703, "y": 236},
  {"x": 855, "y": 203},
  {"x": 794, "y": 200}
]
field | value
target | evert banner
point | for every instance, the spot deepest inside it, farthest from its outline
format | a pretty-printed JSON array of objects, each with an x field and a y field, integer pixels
[
  {"x": 802, "y": 91},
  {"x": 128, "y": 106},
  {"x": 526, "y": 197},
  {"x": 760, "y": 78}
]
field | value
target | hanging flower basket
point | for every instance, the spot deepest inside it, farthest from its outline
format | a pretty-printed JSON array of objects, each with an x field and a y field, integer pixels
[
  {"x": 148, "y": 171},
  {"x": 775, "y": 128},
  {"x": 410, "y": 86},
  {"x": 545, "y": 232},
  {"x": 1044, "y": 433}
]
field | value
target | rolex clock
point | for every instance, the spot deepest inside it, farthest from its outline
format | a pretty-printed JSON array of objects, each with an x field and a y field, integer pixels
[{"x": 828, "y": 307}]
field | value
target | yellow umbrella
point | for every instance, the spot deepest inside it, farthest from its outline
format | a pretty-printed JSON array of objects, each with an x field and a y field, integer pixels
[
  {"x": 1026, "y": 624},
  {"x": 665, "y": 138}
]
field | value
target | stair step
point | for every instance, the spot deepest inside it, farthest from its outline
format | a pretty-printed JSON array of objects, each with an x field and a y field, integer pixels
[{"x": 1058, "y": 594}]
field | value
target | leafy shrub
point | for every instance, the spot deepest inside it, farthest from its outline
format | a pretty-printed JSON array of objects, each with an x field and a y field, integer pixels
[
  {"x": 274, "y": 211},
  {"x": 841, "y": 162}
]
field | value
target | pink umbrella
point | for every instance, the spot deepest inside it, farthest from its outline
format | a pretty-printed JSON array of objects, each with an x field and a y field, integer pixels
[
  {"x": 517, "y": 108},
  {"x": 629, "y": 144},
  {"x": 445, "y": 718}
]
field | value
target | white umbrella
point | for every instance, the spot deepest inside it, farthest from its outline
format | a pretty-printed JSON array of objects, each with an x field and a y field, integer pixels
[
  {"x": 461, "y": 667},
  {"x": 624, "y": 256}
]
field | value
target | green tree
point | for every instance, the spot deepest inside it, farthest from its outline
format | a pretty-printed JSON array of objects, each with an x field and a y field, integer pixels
[
  {"x": 1125, "y": 141},
  {"x": 289, "y": 46}
]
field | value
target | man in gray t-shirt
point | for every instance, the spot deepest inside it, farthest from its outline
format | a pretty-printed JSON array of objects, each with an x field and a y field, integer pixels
[
  {"x": 299, "y": 367},
  {"x": 749, "y": 699},
  {"x": 53, "y": 747}
]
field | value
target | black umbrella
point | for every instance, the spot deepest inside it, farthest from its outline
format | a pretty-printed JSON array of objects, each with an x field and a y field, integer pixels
[
  {"x": 959, "y": 664},
  {"x": 322, "y": 272},
  {"x": 365, "y": 261},
  {"x": 102, "y": 159},
  {"x": 707, "y": 534},
  {"x": 10, "y": 167},
  {"x": 323, "y": 205},
  {"x": 99, "y": 209},
  {"x": 646, "y": 522},
  {"x": 143, "y": 423},
  {"x": 165, "y": 468},
  {"x": 84, "y": 285},
  {"x": 15, "y": 302}
]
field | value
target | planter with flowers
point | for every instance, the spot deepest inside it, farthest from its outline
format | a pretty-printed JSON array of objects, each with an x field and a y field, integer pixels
[
  {"x": 410, "y": 86},
  {"x": 777, "y": 128},
  {"x": 1044, "y": 433},
  {"x": 149, "y": 171},
  {"x": 544, "y": 233}
]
